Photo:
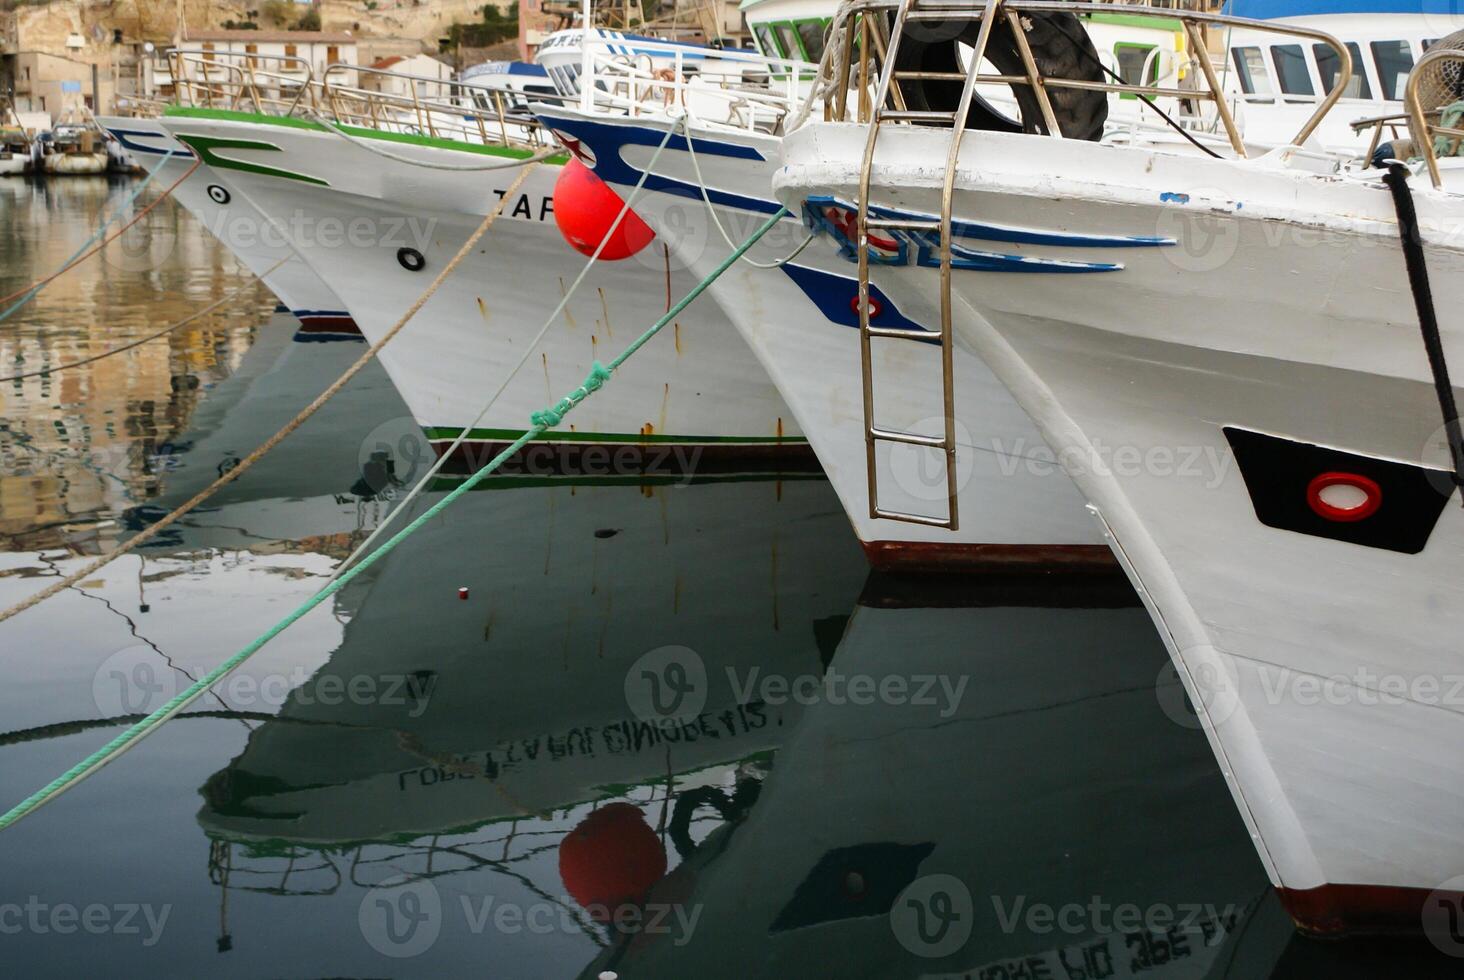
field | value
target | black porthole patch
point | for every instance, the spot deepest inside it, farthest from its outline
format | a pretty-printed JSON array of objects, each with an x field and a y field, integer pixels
[
  {"x": 411, "y": 259},
  {"x": 218, "y": 194},
  {"x": 1401, "y": 502}
]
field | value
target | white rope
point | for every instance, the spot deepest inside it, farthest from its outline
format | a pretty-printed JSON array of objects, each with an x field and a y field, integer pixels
[
  {"x": 410, "y": 161},
  {"x": 549, "y": 322},
  {"x": 712, "y": 211}
]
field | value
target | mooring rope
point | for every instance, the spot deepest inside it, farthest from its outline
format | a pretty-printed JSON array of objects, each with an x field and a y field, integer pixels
[
  {"x": 542, "y": 422},
  {"x": 153, "y": 530},
  {"x": 1428, "y": 322},
  {"x": 24, "y": 296},
  {"x": 712, "y": 211},
  {"x": 539, "y": 157},
  {"x": 190, "y": 318},
  {"x": 549, "y": 321}
]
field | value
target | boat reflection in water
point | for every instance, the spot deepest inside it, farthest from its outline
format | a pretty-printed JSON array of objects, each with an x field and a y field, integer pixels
[
  {"x": 498, "y": 723},
  {"x": 1029, "y": 817},
  {"x": 1008, "y": 783}
]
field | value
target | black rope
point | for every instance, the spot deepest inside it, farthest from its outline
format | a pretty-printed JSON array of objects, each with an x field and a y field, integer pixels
[
  {"x": 1397, "y": 180},
  {"x": 1082, "y": 49}
]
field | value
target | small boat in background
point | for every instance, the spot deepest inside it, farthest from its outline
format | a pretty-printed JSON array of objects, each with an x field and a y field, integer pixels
[
  {"x": 75, "y": 148},
  {"x": 15, "y": 152},
  {"x": 16, "y": 147}
]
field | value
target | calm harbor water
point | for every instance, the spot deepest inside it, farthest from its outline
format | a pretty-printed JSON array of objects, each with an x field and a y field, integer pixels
[{"x": 671, "y": 730}]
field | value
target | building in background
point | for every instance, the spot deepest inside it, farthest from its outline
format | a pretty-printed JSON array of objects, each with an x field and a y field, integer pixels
[
  {"x": 56, "y": 85},
  {"x": 423, "y": 66}
]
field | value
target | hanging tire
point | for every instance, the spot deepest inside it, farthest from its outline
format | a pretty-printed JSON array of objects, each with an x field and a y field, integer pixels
[{"x": 1060, "y": 47}]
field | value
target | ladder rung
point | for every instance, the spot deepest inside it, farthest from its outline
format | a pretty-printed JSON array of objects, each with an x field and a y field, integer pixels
[
  {"x": 911, "y": 115},
  {"x": 934, "y": 12},
  {"x": 902, "y": 333},
  {"x": 905, "y": 224},
  {"x": 895, "y": 515},
  {"x": 910, "y": 438},
  {"x": 931, "y": 76}
]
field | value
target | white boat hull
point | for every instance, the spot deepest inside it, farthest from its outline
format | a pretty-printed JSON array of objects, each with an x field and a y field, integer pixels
[
  {"x": 75, "y": 164},
  {"x": 1273, "y": 340},
  {"x": 692, "y": 396},
  {"x": 800, "y": 320},
  {"x": 262, "y": 249}
]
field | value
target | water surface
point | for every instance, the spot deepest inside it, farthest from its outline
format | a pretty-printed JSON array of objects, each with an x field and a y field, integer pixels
[{"x": 664, "y": 729}]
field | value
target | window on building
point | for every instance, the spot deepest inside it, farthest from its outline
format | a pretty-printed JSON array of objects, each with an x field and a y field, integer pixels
[
  {"x": 332, "y": 55},
  {"x": 292, "y": 51},
  {"x": 1291, "y": 69},
  {"x": 252, "y": 50},
  {"x": 208, "y": 51},
  {"x": 1250, "y": 68},
  {"x": 1328, "y": 67},
  {"x": 1393, "y": 61}
]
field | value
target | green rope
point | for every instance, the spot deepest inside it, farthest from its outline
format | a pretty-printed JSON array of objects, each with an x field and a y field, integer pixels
[{"x": 542, "y": 422}]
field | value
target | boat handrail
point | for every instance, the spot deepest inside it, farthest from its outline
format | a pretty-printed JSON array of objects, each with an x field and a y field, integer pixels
[
  {"x": 285, "y": 85},
  {"x": 1423, "y": 129},
  {"x": 244, "y": 79},
  {"x": 756, "y": 92},
  {"x": 870, "y": 18}
]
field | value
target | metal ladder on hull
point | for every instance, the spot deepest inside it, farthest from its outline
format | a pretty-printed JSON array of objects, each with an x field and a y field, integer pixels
[{"x": 915, "y": 11}]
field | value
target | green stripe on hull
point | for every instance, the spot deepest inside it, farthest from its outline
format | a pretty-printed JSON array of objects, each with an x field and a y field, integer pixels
[
  {"x": 204, "y": 146},
  {"x": 294, "y": 122},
  {"x": 444, "y": 434}
]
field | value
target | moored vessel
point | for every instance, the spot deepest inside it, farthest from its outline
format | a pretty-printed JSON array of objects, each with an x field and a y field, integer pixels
[{"x": 1307, "y": 582}]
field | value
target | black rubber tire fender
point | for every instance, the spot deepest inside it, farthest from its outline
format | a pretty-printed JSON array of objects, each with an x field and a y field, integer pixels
[{"x": 1060, "y": 47}]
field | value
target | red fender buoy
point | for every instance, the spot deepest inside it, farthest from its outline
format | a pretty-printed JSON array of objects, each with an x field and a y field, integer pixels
[
  {"x": 612, "y": 858},
  {"x": 584, "y": 209}
]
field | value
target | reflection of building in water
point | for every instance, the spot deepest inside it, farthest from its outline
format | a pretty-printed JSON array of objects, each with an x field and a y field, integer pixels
[{"x": 80, "y": 444}]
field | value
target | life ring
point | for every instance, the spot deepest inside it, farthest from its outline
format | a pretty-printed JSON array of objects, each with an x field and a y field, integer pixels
[{"x": 1060, "y": 47}]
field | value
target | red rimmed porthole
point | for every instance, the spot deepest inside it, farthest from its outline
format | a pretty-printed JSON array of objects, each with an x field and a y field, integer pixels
[
  {"x": 875, "y": 306},
  {"x": 1343, "y": 497}
]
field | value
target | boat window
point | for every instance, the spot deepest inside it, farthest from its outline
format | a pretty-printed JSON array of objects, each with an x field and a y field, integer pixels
[
  {"x": 812, "y": 34},
  {"x": 1131, "y": 59},
  {"x": 1393, "y": 61},
  {"x": 1250, "y": 67},
  {"x": 766, "y": 42},
  {"x": 788, "y": 38},
  {"x": 1327, "y": 68},
  {"x": 1291, "y": 69}
]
